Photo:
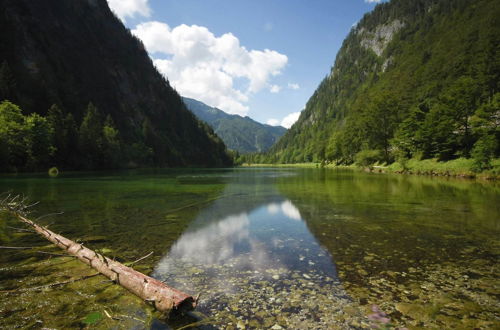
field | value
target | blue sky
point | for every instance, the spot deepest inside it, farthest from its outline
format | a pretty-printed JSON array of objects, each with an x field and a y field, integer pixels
[{"x": 261, "y": 58}]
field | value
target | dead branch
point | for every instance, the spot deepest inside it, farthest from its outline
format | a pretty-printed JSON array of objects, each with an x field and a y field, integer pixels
[
  {"x": 140, "y": 259},
  {"x": 52, "y": 285},
  {"x": 21, "y": 229},
  {"x": 111, "y": 316},
  {"x": 18, "y": 247},
  {"x": 48, "y": 215},
  {"x": 35, "y": 247}
]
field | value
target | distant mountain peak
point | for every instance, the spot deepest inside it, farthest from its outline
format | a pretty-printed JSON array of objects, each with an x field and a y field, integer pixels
[{"x": 242, "y": 134}]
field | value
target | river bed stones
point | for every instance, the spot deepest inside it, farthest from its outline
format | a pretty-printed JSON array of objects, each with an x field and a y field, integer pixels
[{"x": 274, "y": 298}]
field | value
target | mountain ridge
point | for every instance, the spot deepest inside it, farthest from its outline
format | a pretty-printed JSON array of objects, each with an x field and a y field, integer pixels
[
  {"x": 241, "y": 134},
  {"x": 73, "y": 53},
  {"x": 412, "y": 79}
]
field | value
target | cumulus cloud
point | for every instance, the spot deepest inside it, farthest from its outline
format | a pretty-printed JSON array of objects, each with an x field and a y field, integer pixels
[
  {"x": 293, "y": 86},
  {"x": 130, "y": 8},
  {"x": 286, "y": 122},
  {"x": 273, "y": 122},
  {"x": 289, "y": 120},
  {"x": 203, "y": 66}
]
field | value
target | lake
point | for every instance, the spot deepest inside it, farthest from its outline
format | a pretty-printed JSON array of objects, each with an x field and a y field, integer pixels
[{"x": 264, "y": 247}]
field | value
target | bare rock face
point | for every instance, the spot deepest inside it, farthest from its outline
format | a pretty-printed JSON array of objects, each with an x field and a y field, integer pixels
[{"x": 379, "y": 38}]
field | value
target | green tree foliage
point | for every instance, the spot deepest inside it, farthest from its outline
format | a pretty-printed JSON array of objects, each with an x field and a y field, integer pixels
[
  {"x": 90, "y": 139},
  {"x": 379, "y": 121},
  {"x": 486, "y": 120},
  {"x": 154, "y": 141},
  {"x": 462, "y": 98},
  {"x": 138, "y": 154},
  {"x": 437, "y": 135},
  {"x": 13, "y": 152},
  {"x": 7, "y": 83},
  {"x": 65, "y": 137},
  {"x": 45, "y": 68},
  {"x": 26, "y": 142},
  {"x": 365, "y": 158},
  {"x": 429, "y": 89},
  {"x": 111, "y": 144},
  {"x": 241, "y": 134},
  {"x": 38, "y": 141},
  {"x": 484, "y": 151}
]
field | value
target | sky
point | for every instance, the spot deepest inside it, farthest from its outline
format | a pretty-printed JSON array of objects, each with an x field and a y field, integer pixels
[{"x": 258, "y": 58}]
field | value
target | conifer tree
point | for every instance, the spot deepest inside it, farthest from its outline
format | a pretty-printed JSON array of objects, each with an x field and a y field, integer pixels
[
  {"x": 111, "y": 144},
  {"x": 12, "y": 130},
  {"x": 90, "y": 138},
  {"x": 7, "y": 83},
  {"x": 38, "y": 141}
]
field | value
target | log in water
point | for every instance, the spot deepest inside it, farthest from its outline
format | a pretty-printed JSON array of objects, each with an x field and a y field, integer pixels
[{"x": 161, "y": 296}]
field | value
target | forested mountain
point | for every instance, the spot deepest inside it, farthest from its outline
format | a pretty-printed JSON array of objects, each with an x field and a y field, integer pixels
[
  {"x": 241, "y": 134},
  {"x": 414, "y": 78},
  {"x": 109, "y": 107}
]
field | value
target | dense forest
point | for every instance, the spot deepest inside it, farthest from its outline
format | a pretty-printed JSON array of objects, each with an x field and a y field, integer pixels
[
  {"x": 35, "y": 143},
  {"x": 413, "y": 79},
  {"x": 83, "y": 93},
  {"x": 241, "y": 134}
]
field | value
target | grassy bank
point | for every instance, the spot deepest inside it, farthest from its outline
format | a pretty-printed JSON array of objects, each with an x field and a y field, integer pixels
[
  {"x": 460, "y": 167},
  {"x": 300, "y": 165}
]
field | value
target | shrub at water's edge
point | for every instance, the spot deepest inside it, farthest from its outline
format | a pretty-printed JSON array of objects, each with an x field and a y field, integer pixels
[{"x": 458, "y": 167}]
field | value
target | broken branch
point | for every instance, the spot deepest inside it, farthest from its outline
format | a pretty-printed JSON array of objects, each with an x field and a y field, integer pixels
[
  {"x": 36, "y": 288},
  {"x": 140, "y": 259}
]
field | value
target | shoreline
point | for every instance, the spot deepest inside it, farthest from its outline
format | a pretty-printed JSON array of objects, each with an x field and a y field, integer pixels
[{"x": 459, "y": 168}]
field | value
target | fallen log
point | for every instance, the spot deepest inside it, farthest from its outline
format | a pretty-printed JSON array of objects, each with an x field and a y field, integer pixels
[{"x": 164, "y": 298}]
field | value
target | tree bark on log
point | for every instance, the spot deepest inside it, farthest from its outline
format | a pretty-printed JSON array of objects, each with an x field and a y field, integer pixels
[{"x": 161, "y": 296}]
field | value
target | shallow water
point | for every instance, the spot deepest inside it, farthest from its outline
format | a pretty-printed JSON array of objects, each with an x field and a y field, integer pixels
[{"x": 290, "y": 248}]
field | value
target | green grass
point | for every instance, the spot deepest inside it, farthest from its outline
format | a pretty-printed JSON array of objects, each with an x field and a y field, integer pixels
[
  {"x": 458, "y": 167},
  {"x": 303, "y": 165}
]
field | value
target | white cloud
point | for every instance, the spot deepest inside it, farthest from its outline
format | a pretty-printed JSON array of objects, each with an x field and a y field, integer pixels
[
  {"x": 371, "y": 1},
  {"x": 273, "y": 208},
  {"x": 286, "y": 122},
  {"x": 275, "y": 89},
  {"x": 273, "y": 122},
  {"x": 290, "y": 210},
  {"x": 203, "y": 66},
  {"x": 130, "y": 8},
  {"x": 289, "y": 120},
  {"x": 293, "y": 86}
]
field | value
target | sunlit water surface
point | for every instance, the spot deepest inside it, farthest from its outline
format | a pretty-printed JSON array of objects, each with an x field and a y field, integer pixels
[{"x": 264, "y": 248}]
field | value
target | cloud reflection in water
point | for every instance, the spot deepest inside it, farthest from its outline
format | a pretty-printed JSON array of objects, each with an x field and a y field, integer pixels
[
  {"x": 261, "y": 239},
  {"x": 263, "y": 259}
]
